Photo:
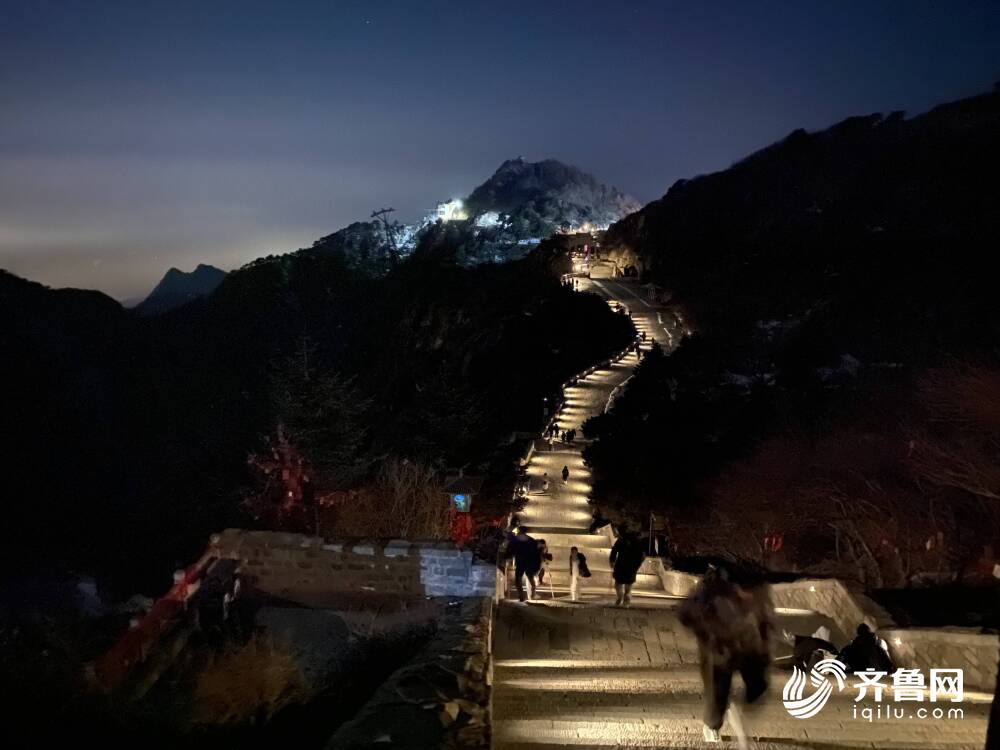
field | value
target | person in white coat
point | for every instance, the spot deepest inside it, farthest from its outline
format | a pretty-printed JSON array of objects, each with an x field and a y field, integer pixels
[{"x": 577, "y": 570}]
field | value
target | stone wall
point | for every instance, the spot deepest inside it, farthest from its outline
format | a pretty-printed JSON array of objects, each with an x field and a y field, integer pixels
[
  {"x": 440, "y": 698},
  {"x": 972, "y": 651},
  {"x": 830, "y": 597},
  {"x": 675, "y": 582},
  {"x": 300, "y": 567}
]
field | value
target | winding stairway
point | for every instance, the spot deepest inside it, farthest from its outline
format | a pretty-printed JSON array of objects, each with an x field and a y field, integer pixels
[{"x": 589, "y": 675}]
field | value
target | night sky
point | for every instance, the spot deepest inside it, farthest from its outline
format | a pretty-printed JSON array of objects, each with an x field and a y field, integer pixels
[{"x": 135, "y": 136}]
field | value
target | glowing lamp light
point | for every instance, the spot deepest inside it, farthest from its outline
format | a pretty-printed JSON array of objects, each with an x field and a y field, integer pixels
[
  {"x": 453, "y": 210},
  {"x": 460, "y": 491}
]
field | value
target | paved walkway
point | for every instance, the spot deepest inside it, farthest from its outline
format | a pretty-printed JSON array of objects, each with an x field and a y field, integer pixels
[
  {"x": 562, "y": 516},
  {"x": 589, "y": 675}
]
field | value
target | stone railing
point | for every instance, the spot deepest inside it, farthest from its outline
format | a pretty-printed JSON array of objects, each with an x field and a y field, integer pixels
[
  {"x": 293, "y": 566},
  {"x": 974, "y": 652},
  {"x": 675, "y": 582},
  {"x": 440, "y": 698},
  {"x": 830, "y": 597}
]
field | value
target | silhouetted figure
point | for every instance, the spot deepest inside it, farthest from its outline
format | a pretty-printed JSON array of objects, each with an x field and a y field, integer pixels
[
  {"x": 527, "y": 562},
  {"x": 565, "y": 474},
  {"x": 626, "y": 558},
  {"x": 732, "y": 624},
  {"x": 545, "y": 482},
  {"x": 577, "y": 569},
  {"x": 808, "y": 649},
  {"x": 545, "y": 556},
  {"x": 865, "y": 652}
]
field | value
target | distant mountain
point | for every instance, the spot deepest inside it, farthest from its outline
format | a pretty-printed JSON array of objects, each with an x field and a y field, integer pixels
[
  {"x": 521, "y": 204},
  {"x": 177, "y": 288},
  {"x": 539, "y": 198}
]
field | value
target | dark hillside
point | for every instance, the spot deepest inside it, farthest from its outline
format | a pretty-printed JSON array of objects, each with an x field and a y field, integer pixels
[
  {"x": 132, "y": 434},
  {"x": 841, "y": 290}
]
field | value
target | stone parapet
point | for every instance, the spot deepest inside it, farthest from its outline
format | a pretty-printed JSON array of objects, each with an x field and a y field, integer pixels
[
  {"x": 974, "y": 652},
  {"x": 292, "y": 565}
]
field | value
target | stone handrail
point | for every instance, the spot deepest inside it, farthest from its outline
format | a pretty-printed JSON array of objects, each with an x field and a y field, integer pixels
[{"x": 296, "y": 565}]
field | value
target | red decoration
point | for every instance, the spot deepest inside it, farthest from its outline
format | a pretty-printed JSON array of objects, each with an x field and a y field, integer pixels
[
  {"x": 462, "y": 527},
  {"x": 774, "y": 541}
]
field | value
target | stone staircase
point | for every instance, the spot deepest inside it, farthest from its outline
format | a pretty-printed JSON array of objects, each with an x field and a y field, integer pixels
[
  {"x": 598, "y": 676},
  {"x": 562, "y": 515},
  {"x": 590, "y": 675}
]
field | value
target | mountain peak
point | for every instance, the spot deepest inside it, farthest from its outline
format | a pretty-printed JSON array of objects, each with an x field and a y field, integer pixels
[
  {"x": 544, "y": 195},
  {"x": 521, "y": 203},
  {"x": 179, "y": 287}
]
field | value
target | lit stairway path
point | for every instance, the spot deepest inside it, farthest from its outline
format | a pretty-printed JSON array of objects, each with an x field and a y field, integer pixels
[
  {"x": 589, "y": 675},
  {"x": 562, "y": 516},
  {"x": 598, "y": 676}
]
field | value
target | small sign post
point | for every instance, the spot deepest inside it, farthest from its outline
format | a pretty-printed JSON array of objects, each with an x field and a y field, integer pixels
[{"x": 460, "y": 491}]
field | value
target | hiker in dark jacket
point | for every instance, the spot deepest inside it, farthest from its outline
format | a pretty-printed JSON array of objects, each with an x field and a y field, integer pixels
[
  {"x": 527, "y": 562},
  {"x": 565, "y": 474},
  {"x": 626, "y": 557},
  {"x": 865, "y": 652},
  {"x": 808, "y": 649},
  {"x": 732, "y": 624}
]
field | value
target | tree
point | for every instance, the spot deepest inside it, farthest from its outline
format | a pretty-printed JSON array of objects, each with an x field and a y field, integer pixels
[
  {"x": 958, "y": 444},
  {"x": 405, "y": 501},
  {"x": 317, "y": 445}
]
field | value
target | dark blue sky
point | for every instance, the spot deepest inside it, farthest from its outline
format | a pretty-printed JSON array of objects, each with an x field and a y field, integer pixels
[{"x": 139, "y": 135}]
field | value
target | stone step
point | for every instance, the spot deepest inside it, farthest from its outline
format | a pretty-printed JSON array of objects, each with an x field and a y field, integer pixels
[
  {"x": 600, "y": 678},
  {"x": 573, "y": 513},
  {"x": 582, "y": 703},
  {"x": 545, "y": 527},
  {"x": 600, "y": 579},
  {"x": 547, "y": 454},
  {"x": 672, "y": 732},
  {"x": 584, "y": 539},
  {"x": 597, "y": 557},
  {"x": 594, "y": 588},
  {"x": 660, "y": 619},
  {"x": 558, "y": 517},
  {"x": 675, "y": 720}
]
